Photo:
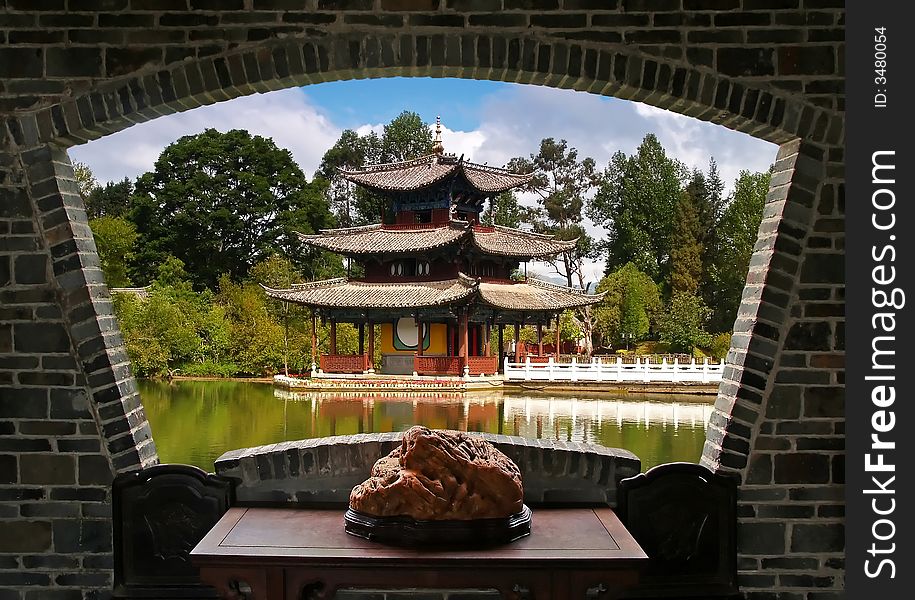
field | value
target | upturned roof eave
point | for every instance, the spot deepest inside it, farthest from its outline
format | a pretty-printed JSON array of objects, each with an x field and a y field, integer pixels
[
  {"x": 573, "y": 298},
  {"x": 558, "y": 246}
]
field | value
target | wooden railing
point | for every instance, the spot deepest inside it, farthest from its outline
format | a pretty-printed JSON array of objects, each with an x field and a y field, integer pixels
[
  {"x": 344, "y": 363},
  {"x": 483, "y": 365},
  {"x": 438, "y": 365}
]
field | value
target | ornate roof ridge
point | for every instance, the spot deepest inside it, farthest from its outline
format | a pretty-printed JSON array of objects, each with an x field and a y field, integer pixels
[
  {"x": 548, "y": 285},
  {"x": 340, "y": 231},
  {"x": 308, "y": 285},
  {"x": 495, "y": 170},
  {"x": 451, "y": 224},
  {"x": 533, "y": 234},
  {"x": 461, "y": 278},
  {"x": 393, "y": 166},
  {"x": 420, "y": 282}
]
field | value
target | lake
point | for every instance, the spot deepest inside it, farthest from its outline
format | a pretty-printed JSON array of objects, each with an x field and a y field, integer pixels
[{"x": 194, "y": 422}]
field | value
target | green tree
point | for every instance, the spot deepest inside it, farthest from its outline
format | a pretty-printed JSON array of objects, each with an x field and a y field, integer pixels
[
  {"x": 705, "y": 190},
  {"x": 161, "y": 331},
  {"x": 112, "y": 200},
  {"x": 256, "y": 339},
  {"x": 85, "y": 180},
  {"x": 505, "y": 210},
  {"x": 114, "y": 238},
  {"x": 636, "y": 203},
  {"x": 349, "y": 202},
  {"x": 738, "y": 230},
  {"x": 221, "y": 202},
  {"x": 686, "y": 249},
  {"x": 406, "y": 137},
  {"x": 630, "y": 308},
  {"x": 279, "y": 273},
  {"x": 682, "y": 325},
  {"x": 563, "y": 181}
]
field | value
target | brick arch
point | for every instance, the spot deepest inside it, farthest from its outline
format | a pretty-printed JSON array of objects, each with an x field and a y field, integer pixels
[
  {"x": 609, "y": 70},
  {"x": 778, "y": 339}
]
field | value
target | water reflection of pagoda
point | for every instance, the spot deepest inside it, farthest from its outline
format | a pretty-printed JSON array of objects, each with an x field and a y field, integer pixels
[{"x": 436, "y": 280}]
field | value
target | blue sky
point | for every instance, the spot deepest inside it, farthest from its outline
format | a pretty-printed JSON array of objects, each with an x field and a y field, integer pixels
[
  {"x": 488, "y": 122},
  {"x": 356, "y": 102}
]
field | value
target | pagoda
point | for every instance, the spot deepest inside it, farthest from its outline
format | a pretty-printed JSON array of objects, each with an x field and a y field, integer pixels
[{"x": 435, "y": 280}]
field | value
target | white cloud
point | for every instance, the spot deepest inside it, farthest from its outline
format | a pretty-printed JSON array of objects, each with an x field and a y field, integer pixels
[
  {"x": 286, "y": 116},
  {"x": 514, "y": 121},
  {"x": 376, "y": 128},
  {"x": 466, "y": 143}
]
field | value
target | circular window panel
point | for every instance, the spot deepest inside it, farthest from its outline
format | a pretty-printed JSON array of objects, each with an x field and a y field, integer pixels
[{"x": 407, "y": 332}]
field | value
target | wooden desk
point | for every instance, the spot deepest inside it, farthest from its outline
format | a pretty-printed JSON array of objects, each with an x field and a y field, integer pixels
[{"x": 301, "y": 553}]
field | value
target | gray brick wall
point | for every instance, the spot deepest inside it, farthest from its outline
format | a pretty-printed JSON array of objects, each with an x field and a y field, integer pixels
[
  {"x": 55, "y": 464},
  {"x": 779, "y": 420},
  {"x": 73, "y": 70}
]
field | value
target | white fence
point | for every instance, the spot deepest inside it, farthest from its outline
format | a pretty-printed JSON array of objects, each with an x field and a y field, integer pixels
[{"x": 615, "y": 370}]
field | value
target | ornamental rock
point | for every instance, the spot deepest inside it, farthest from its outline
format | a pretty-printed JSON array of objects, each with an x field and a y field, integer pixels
[{"x": 441, "y": 475}]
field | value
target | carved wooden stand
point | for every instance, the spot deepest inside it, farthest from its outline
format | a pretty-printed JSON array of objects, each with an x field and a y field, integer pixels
[{"x": 263, "y": 553}]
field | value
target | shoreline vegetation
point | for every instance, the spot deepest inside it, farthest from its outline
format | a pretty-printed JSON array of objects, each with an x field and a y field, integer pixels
[{"x": 218, "y": 218}]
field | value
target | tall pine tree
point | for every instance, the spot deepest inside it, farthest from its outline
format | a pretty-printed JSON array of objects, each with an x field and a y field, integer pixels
[{"x": 686, "y": 249}]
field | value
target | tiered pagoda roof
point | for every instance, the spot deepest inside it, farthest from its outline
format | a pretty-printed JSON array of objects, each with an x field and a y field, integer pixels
[
  {"x": 428, "y": 170},
  {"x": 529, "y": 295},
  {"x": 376, "y": 239},
  {"x": 381, "y": 239},
  {"x": 344, "y": 293},
  {"x": 506, "y": 241},
  {"x": 534, "y": 294}
]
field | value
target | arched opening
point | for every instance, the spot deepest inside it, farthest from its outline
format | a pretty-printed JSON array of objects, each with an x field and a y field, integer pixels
[{"x": 595, "y": 126}]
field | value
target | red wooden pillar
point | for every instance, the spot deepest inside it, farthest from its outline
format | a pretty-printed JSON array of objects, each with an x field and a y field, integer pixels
[
  {"x": 333, "y": 337},
  {"x": 558, "y": 318},
  {"x": 371, "y": 348},
  {"x": 539, "y": 339},
  {"x": 314, "y": 339},
  {"x": 462, "y": 338},
  {"x": 419, "y": 335},
  {"x": 517, "y": 342}
]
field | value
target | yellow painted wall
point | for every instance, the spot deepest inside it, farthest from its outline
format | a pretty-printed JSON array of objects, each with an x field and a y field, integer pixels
[{"x": 437, "y": 340}]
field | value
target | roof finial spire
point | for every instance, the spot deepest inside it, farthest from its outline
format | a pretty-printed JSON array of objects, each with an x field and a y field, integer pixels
[{"x": 437, "y": 146}]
